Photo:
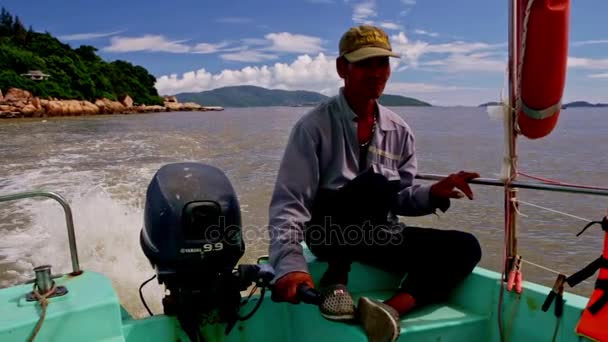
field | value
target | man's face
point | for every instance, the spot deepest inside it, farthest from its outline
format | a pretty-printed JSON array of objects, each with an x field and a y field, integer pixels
[{"x": 366, "y": 78}]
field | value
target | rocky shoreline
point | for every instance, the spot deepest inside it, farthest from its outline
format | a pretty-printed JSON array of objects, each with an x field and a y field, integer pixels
[{"x": 19, "y": 103}]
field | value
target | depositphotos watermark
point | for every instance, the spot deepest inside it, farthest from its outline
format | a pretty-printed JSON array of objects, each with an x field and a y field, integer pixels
[{"x": 328, "y": 233}]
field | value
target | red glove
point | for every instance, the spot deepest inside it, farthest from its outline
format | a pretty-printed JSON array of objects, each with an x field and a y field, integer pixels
[
  {"x": 447, "y": 187},
  {"x": 286, "y": 288}
]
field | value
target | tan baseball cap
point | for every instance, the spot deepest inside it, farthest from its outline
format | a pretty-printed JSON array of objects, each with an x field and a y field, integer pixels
[{"x": 365, "y": 41}]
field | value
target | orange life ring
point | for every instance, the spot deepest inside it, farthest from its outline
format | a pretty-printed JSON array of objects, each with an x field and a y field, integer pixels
[{"x": 543, "y": 68}]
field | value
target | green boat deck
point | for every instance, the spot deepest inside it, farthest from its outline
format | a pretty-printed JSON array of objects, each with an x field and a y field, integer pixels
[{"x": 91, "y": 311}]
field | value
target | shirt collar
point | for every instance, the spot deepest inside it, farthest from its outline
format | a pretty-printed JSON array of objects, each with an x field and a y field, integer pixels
[{"x": 383, "y": 120}]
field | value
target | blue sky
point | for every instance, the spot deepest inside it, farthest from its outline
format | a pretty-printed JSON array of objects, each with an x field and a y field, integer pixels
[{"x": 453, "y": 52}]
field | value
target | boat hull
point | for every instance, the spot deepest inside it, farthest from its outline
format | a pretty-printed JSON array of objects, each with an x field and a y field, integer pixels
[{"x": 91, "y": 311}]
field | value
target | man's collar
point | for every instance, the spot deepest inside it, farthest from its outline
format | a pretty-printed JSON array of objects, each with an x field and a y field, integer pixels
[{"x": 384, "y": 121}]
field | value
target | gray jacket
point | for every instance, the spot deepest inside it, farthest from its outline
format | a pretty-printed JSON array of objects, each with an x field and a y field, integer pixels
[{"x": 323, "y": 152}]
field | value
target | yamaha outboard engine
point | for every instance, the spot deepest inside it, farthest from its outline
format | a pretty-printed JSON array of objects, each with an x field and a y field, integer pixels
[{"x": 192, "y": 236}]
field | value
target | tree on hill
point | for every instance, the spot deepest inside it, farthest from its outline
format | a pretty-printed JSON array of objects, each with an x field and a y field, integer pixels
[
  {"x": 6, "y": 22},
  {"x": 19, "y": 32},
  {"x": 74, "y": 73}
]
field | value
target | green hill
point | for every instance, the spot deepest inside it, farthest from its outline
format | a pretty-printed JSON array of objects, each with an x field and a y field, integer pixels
[
  {"x": 398, "y": 100},
  {"x": 488, "y": 104},
  {"x": 583, "y": 104},
  {"x": 575, "y": 104},
  {"x": 252, "y": 96},
  {"x": 74, "y": 73}
]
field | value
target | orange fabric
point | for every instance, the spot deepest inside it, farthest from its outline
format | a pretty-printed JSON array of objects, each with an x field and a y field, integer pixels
[
  {"x": 286, "y": 287},
  {"x": 594, "y": 326},
  {"x": 543, "y": 74},
  {"x": 402, "y": 302}
]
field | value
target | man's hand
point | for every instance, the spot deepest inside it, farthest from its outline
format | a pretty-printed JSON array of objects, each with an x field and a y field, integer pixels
[
  {"x": 449, "y": 186},
  {"x": 286, "y": 288}
]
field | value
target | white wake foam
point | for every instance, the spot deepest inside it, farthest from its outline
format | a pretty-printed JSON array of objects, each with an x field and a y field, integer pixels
[{"x": 107, "y": 235}]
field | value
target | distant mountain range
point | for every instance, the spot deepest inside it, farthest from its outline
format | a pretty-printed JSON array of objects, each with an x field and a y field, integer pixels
[
  {"x": 575, "y": 104},
  {"x": 252, "y": 96},
  {"x": 487, "y": 104},
  {"x": 398, "y": 100}
]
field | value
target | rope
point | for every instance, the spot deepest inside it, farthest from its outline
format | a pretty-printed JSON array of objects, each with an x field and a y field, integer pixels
[
  {"x": 524, "y": 39},
  {"x": 516, "y": 201},
  {"x": 541, "y": 267},
  {"x": 556, "y": 182},
  {"x": 520, "y": 62},
  {"x": 554, "y": 211},
  {"x": 44, "y": 302},
  {"x": 548, "y": 269}
]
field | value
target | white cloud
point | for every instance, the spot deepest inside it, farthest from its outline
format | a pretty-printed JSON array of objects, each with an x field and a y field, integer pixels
[
  {"x": 293, "y": 43},
  {"x": 477, "y": 62},
  {"x": 362, "y": 12},
  {"x": 234, "y": 20},
  {"x": 88, "y": 36},
  {"x": 604, "y": 75},
  {"x": 426, "y": 33},
  {"x": 305, "y": 73},
  {"x": 248, "y": 56},
  {"x": 315, "y": 74},
  {"x": 461, "y": 47},
  {"x": 410, "y": 51},
  {"x": 404, "y": 88},
  {"x": 590, "y": 42},
  {"x": 391, "y": 26},
  {"x": 154, "y": 43},
  {"x": 409, "y": 5},
  {"x": 283, "y": 42},
  {"x": 587, "y": 63},
  {"x": 206, "y": 48},
  {"x": 461, "y": 56}
]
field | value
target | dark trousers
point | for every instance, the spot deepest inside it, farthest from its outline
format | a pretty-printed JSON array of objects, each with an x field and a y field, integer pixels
[{"x": 351, "y": 224}]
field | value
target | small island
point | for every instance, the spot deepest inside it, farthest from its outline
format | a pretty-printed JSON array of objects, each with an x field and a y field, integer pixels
[
  {"x": 583, "y": 104},
  {"x": 575, "y": 104},
  {"x": 252, "y": 96},
  {"x": 489, "y": 104}
]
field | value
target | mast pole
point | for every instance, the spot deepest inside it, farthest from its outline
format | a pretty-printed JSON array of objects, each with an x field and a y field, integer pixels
[{"x": 510, "y": 192}]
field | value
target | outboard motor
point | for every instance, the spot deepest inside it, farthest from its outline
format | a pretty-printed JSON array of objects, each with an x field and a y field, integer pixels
[{"x": 192, "y": 236}]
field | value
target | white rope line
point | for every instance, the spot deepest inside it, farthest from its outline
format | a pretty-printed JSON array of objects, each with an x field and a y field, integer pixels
[
  {"x": 541, "y": 266},
  {"x": 587, "y": 281},
  {"x": 553, "y": 210},
  {"x": 516, "y": 201}
]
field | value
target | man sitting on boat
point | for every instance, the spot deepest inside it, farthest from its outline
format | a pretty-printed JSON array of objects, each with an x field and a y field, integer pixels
[{"x": 347, "y": 172}]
